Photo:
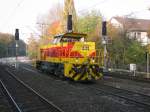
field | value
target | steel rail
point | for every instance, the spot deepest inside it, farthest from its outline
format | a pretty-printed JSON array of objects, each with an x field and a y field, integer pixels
[
  {"x": 39, "y": 95},
  {"x": 10, "y": 97},
  {"x": 127, "y": 77},
  {"x": 121, "y": 96}
]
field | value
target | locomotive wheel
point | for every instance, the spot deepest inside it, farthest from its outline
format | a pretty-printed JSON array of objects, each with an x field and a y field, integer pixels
[{"x": 59, "y": 70}]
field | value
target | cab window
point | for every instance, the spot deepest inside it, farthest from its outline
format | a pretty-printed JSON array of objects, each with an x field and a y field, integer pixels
[
  {"x": 82, "y": 39},
  {"x": 56, "y": 40},
  {"x": 71, "y": 39}
]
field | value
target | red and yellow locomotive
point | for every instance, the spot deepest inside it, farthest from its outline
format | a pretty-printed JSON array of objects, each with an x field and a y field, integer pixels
[{"x": 69, "y": 55}]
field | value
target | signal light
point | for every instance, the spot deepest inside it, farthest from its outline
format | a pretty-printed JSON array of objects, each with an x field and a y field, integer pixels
[
  {"x": 69, "y": 23},
  {"x": 104, "y": 28},
  {"x": 17, "y": 34}
]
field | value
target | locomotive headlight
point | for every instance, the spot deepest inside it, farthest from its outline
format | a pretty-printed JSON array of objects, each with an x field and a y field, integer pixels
[
  {"x": 93, "y": 60},
  {"x": 76, "y": 60}
]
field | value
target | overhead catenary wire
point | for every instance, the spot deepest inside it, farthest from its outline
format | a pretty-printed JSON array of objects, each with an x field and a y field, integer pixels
[
  {"x": 12, "y": 13},
  {"x": 98, "y": 3},
  {"x": 35, "y": 32},
  {"x": 82, "y": 11}
]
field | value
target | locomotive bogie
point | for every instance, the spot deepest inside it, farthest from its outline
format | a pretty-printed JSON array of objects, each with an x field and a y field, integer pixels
[{"x": 77, "y": 72}]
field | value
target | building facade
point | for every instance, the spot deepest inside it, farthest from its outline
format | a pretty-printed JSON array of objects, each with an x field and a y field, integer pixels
[{"x": 134, "y": 28}]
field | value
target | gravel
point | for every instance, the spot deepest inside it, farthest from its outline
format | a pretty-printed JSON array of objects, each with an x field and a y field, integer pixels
[
  {"x": 126, "y": 84},
  {"x": 73, "y": 97}
]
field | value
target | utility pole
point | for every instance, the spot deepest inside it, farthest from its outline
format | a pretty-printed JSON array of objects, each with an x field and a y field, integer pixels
[{"x": 43, "y": 29}]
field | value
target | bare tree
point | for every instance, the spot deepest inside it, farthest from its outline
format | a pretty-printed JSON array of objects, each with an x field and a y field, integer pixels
[
  {"x": 69, "y": 9},
  {"x": 46, "y": 21}
]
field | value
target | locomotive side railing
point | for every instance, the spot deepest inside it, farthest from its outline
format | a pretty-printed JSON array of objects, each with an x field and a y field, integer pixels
[{"x": 99, "y": 57}]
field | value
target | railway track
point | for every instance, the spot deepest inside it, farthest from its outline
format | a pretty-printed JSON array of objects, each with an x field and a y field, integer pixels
[
  {"x": 138, "y": 98},
  {"x": 25, "y": 98},
  {"x": 6, "y": 103},
  {"x": 127, "y": 76},
  {"x": 132, "y": 97}
]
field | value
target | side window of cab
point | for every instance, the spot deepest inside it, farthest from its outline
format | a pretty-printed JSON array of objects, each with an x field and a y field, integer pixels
[
  {"x": 82, "y": 39},
  {"x": 56, "y": 40}
]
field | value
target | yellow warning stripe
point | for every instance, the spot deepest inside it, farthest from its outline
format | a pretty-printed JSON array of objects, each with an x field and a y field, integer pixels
[
  {"x": 77, "y": 77},
  {"x": 72, "y": 74},
  {"x": 84, "y": 77},
  {"x": 91, "y": 73}
]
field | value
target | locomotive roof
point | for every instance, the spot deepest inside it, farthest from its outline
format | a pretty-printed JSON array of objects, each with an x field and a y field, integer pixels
[{"x": 72, "y": 35}]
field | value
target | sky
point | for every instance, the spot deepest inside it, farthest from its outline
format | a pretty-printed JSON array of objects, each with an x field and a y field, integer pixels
[{"x": 23, "y": 14}]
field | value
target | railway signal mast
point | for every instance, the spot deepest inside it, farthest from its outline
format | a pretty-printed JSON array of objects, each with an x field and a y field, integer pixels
[
  {"x": 104, "y": 42},
  {"x": 69, "y": 9},
  {"x": 69, "y": 24},
  {"x": 17, "y": 39}
]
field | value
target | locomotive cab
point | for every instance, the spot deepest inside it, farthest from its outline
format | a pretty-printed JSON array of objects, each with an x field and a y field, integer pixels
[{"x": 69, "y": 37}]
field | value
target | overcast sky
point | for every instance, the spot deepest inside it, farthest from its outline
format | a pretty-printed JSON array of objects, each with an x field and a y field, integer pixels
[{"x": 23, "y": 14}]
